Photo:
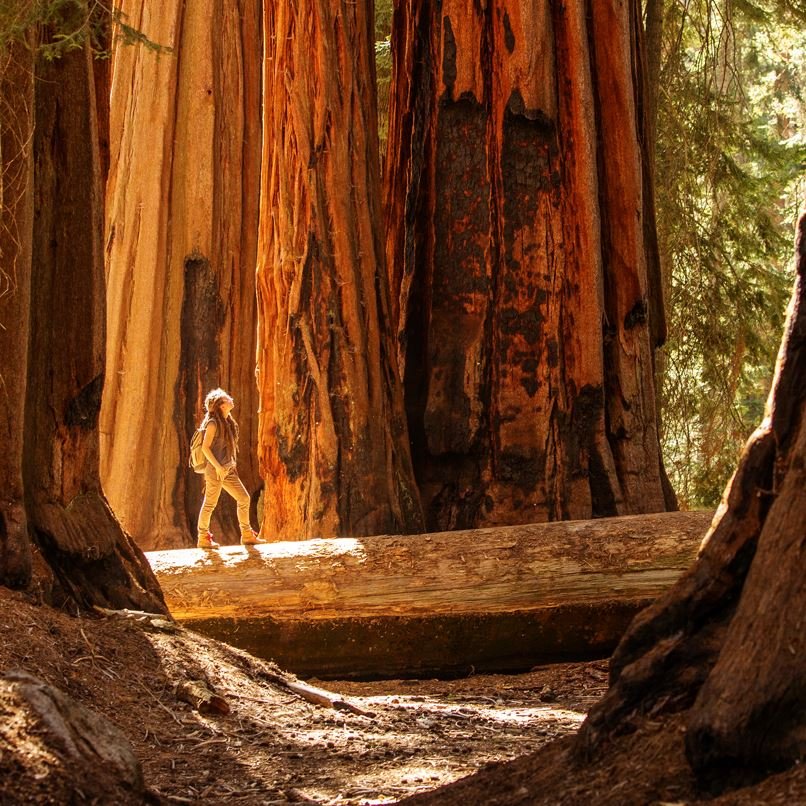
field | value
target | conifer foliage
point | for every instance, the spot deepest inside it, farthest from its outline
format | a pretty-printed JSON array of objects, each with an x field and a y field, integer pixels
[{"x": 728, "y": 95}]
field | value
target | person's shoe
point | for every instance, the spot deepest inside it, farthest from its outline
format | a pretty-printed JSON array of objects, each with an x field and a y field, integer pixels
[
  {"x": 206, "y": 541},
  {"x": 251, "y": 538}
]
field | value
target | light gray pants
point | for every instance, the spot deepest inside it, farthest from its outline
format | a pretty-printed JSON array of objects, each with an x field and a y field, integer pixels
[{"x": 212, "y": 491}]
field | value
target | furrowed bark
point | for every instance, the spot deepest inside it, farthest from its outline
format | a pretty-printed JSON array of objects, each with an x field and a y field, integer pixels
[
  {"x": 512, "y": 236},
  {"x": 630, "y": 395},
  {"x": 332, "y": 444},
  {"x": 726, "y": 643},
  {"x": 93, "y": 558},
  {"x": 181, "y": 250}
]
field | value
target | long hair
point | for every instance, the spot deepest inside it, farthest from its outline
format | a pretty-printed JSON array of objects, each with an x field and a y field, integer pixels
[{"x": 227, "y": 427}]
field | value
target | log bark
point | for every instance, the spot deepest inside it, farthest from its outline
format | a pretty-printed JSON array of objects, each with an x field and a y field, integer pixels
[
  {"x": 181, "y": 251},
  {"x": 727, "y": 642},
  {"x": 333, "y": 444},
  {"x": 502, "y": 598},
  {"x": 516, "y": 204},
  {"x": 198, "y": 694}
]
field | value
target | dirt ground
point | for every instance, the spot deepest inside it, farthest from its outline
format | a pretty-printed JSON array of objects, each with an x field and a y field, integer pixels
[{"x": 389, "y": 741}]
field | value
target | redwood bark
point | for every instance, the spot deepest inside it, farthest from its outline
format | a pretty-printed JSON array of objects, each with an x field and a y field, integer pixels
[
  {"x": 93, "y": 558},
  {"x": 16, "y": 221},
  {"x": 52, "y": 247},
  {"x": 515, "y": 209},
  {"x": 181, "y": 253},
  {"x": 333, "y": 444},
  {"x": 727, "y": 642}
]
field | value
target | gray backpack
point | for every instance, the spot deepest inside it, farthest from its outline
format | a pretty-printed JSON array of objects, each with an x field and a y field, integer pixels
[{"x": 198, "y": 461}]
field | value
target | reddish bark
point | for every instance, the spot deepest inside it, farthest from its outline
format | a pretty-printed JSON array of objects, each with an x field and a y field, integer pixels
[
  {"x": 52, "y": 249},
  {"x": 515, "y": 212},
  {"x": 74, "y": 528},
  {"x": 181, "y": 254},
  {"x": 333, "y": 443}
]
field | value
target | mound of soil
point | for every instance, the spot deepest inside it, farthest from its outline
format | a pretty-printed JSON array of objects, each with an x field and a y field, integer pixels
[
  {"x": 262, "y": 742},
  {"x": 273, "y": 746}
]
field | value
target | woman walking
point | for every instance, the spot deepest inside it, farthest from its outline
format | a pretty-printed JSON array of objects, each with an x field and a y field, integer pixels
[{"x": 220, "y": 447}]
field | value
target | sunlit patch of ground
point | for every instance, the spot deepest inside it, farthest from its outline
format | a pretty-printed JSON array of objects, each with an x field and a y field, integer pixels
[
  {"x": 417, "y": 742},
  {"x": 274, "y": 747},
  {"x": 407, "y": 738}
]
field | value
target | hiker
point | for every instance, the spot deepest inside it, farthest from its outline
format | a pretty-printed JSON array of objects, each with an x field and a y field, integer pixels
[{"x": 220, "y": 448}]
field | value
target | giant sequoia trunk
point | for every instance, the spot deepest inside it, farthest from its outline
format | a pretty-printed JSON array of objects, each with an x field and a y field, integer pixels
[
  {"x": 516, "y": 212},
  {"x": 58, "y": 313},
  {"x": 333, "y": 445},
  {"x": 181, "y": 252},
  {"x": 728, "y": 642}
]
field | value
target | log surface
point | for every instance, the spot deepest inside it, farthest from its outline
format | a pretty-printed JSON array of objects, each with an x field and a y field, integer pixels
[
  {"x": 480, "y": 571},
  {"x": 498, "y": 599}
]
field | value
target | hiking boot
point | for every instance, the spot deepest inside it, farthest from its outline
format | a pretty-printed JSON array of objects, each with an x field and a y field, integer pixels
[
  {"x": 206, "y": 541},
  {"x": 251, "y": 538}
]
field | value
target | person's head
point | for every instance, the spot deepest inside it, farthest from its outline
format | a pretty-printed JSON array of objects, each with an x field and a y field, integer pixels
[{"x": 218, "y": 403}]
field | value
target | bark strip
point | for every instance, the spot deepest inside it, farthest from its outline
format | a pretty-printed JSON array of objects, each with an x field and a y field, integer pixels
[
  {"x": 16, "y": 222},
  {"x": 333, "y": 443},
  {"x": 181, "y": 249}
]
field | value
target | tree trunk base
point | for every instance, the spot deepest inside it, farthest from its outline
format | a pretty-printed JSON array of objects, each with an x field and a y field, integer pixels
[
  {"x": 727, "y": 643},
  {"x": 94, "y": 561}
]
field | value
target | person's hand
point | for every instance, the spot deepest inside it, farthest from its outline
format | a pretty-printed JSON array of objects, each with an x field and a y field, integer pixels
[{"x": 221, "y": 472}]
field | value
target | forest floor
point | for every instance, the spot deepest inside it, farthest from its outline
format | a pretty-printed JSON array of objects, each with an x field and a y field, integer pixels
[{"x": 396, "y": 740}]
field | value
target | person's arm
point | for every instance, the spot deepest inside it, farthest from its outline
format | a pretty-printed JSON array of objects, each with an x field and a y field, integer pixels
[{"x": 207, "y": 450}]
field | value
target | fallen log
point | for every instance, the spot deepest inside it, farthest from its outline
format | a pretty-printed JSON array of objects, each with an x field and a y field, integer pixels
[
  {"x": 198, "y": 694},
  {"x": 496, "y": 599}
]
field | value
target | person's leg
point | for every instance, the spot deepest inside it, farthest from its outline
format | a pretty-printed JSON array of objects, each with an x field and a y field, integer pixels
[
  {"x": 212, "y": 491},
  {"x": 234, "y": 486}
]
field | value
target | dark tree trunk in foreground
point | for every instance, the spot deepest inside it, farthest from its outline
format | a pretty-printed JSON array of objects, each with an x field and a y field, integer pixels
[
  {"x": 16, "y": 220},
  {"x": 518, "y": 224},
  {"x": 333, "y": 444},
  {"x": 729, "y": 641},
  {"x": 181, "y": 251},
  {"x": 61, "y": 373}
]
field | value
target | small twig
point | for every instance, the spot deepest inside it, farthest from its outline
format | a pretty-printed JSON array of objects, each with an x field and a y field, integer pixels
[
  {"x": 317, "y": 696},
  {"x": 87, "y": 641},
  {"x": 261, "y": 700},
  {"x": 210, "y": 741}
]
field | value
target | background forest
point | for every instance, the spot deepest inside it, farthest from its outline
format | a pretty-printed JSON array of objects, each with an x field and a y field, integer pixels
[
  {"x": 552, "y": 266},
  {"x": 721, "y": 150},
  {"x": 730, "y": 115}
]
